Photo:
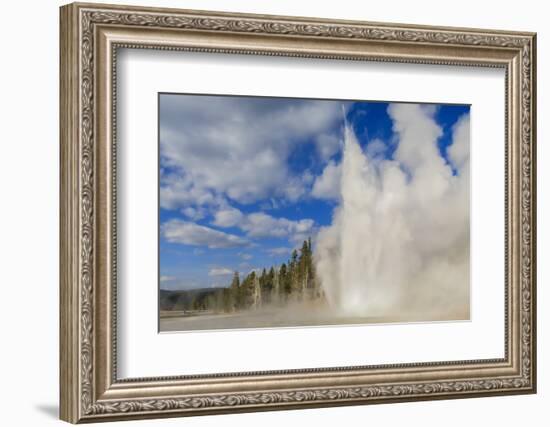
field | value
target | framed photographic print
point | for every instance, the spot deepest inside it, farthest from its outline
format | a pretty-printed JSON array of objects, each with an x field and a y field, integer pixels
[{"x": 264, "y": 212}]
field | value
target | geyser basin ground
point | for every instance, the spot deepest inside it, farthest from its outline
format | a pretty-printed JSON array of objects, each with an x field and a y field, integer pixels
[{"x": 295, "y": 316}]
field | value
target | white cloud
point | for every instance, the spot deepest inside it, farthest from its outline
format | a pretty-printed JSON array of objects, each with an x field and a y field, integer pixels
[
  {"x": 296, "y": 187},
  {"x": 327, "y": 145},
  {"x": 167, "y": 279},
  {"x": 255, "y": 225},
  {"x": 227, "y": 217},
  {"x": 260, "y": 224},
  {"x": 189, "y": 233},
  {"x": 216, "y": 148},
  {"x": 279, "y": 251},
  {"x": 245, "y": 256},
  {"x": 194, "y": 213},
  {"x": 459, "y": 151},
  {"x": 179, "y": 191},
  {"x": 220, "y": 272},
  {"x": 418, "y": 133},
  {"x": 327, "y": 185},
  {"x": 299, "y": 238}
]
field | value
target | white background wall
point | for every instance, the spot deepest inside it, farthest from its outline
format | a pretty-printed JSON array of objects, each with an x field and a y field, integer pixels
[{"x": 29, "y": 170}]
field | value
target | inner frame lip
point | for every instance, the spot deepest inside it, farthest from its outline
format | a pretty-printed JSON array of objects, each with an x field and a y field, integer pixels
[{"x": 504, "y": 362}]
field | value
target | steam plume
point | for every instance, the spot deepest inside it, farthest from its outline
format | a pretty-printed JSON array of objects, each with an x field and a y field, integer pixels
[{"x": 399, "y": 240}]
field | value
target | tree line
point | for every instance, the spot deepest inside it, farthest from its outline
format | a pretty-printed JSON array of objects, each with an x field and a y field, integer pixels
[{"x": 294, "y": 280}]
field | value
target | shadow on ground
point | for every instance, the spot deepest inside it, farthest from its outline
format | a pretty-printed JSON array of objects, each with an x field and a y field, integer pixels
[{"x": 50, "y": 410}]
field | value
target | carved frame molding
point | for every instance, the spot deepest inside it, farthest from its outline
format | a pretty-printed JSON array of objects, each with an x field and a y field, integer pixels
[{"x": 90, "y": 37}]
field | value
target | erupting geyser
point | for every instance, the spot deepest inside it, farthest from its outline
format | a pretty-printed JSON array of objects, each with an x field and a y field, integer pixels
[{"x": 399, "y": 239}]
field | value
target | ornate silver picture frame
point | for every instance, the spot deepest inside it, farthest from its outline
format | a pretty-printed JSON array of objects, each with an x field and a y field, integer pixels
[{"x": 91, "y": 36}]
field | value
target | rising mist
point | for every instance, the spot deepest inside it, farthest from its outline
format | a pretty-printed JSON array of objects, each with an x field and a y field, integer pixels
[{"x": 399, "y": 242}]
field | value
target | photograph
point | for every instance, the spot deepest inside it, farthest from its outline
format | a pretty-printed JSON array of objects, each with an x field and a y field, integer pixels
[{"x": 292, "y": 212}]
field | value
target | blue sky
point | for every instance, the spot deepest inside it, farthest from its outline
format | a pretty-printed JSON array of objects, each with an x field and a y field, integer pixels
[{"x": 244, "y": 180}]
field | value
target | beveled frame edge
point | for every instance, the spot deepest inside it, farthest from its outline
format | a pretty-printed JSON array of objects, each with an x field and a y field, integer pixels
[{"x": 89, "y": 390}]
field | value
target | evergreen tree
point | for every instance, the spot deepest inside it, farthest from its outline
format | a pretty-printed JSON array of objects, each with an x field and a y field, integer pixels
[
  {"x": 313, "y": 283},
  {"x": 236, "y": 281},
  {"x": 295, "y": 278},
  {"x": 228, "y": 300},
  {"x": 276, "y": 291},
  {"x": 303, "y": 270},
  {"x": 234, "y": 298},
  {"x": 247, "y": 290},
  {"x": 263, "y": 279},
  {"x": 284, "y": 280},
  {"x": 293, "y": 259},
  {"x": 294, "y": 272},
  {"x": 266, "y": 285}
]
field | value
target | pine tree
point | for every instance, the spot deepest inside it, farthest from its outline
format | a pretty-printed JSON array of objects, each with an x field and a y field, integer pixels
[
  {"x": 235, "y": 293},
  {"x": 228, "y": 300},
  {"x": 257, "y": 292},
  {"x": 295, "y": 278},
  {"x": 276, "y": 290},
  {"x": 303, "y": 276},
  {"x": 293, "y": 259},
  {"x": 247, "y": 290},
  {"x": 294, "y": 273},
  {"x": 284, "y": 280},
  {"x": 236, "y": 281},
  {"x": 263, "y": 279},
  {"x": 266, "y": 285},
  {"x": 269, "y": 280}
]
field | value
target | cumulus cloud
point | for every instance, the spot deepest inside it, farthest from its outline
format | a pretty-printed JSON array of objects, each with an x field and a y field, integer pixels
[
  {"x": 220, "y": 272},
  {"x": 194, "y": 213},
  {"x": 399, "y": 239},
  {"x": 167, "y": 279},
  {"x": 189, "y": 233},
  {"x": 459, "y": 151},
  {"x": 260, "y": 224},
  {"x": 216, "y": 148},
  {"x": 327, "y": 145},
  {"x": 298, "y": 186},
  {"x": 327, "y": 185},
  {"x": 278, "y": 251},
  {"x": 228, "y": 217},
  {"x": 177, "y": 190}
]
